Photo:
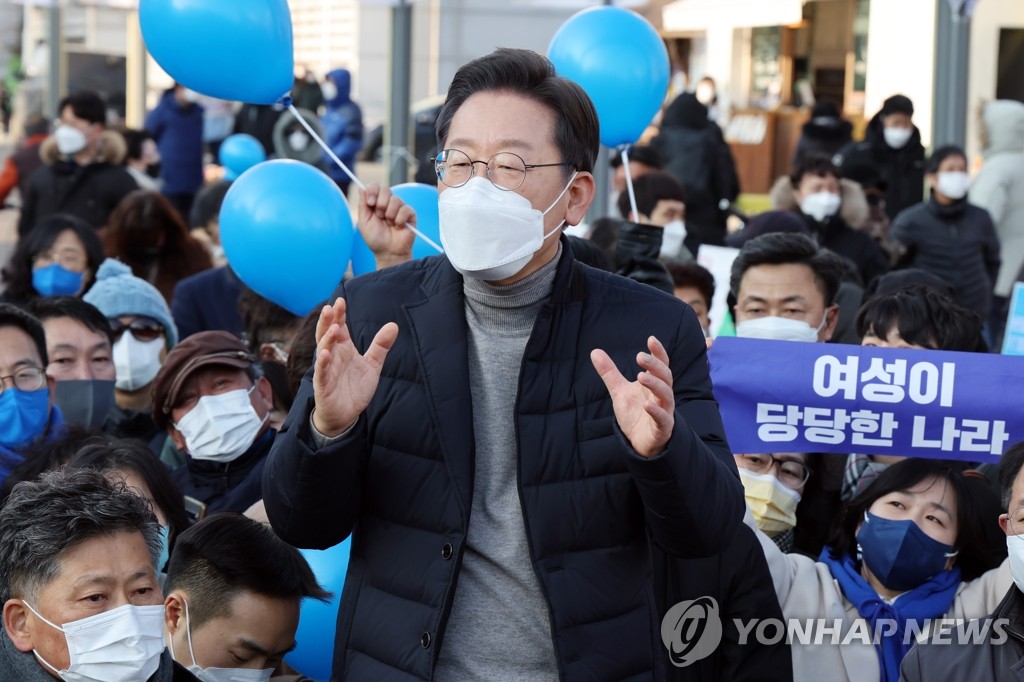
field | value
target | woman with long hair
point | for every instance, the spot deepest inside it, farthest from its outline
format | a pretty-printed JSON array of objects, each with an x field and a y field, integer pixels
[{"x": 58, "y": 257}]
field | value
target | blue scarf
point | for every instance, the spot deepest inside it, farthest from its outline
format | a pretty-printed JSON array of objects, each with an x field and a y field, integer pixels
[{"x": 929, "y": 600}]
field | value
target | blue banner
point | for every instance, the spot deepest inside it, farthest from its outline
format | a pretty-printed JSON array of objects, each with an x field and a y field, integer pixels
[{"x": 784, "y": 396}]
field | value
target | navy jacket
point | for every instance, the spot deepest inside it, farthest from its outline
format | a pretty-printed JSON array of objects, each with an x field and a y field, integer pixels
[
  {"x": 178, "y": 132},
  {"x": 234, "y": 486},
  {"x": 401, "y": 480},
  {"x": 208, "y": 301}
]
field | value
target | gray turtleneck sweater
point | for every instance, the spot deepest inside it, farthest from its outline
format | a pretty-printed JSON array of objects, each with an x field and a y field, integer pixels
[{"x": 499, "y": 628}]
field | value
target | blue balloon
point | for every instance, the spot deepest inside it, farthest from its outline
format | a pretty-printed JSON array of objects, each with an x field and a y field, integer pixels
[
  {"x": 423, "y": 199},
  {"x": 232, "y": 49},
  {"x": 238, "y": 153},
  {"x": 314, "y": 640},
  {"x": 287, "y": 233},
  {"x": 619, "y": 59},
  {"x": 363, "y": 260}
]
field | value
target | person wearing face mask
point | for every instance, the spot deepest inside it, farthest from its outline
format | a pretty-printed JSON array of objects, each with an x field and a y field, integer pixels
[
  {"x": 176, "y": 124},
  {"x": 467, "y": 416},
  {"x": 233, "y": 594},
  {"x": 143, "y": 333},
  {"x": 27, "y": 411},
  {"x": 911, "y": 547},
  {"x": 950, "y": 237},
  {"x": 81, "y": 601},
  {"x": 892, "y": 145},
  {"x": 834, "y": 210},
  {"x": 773, "y": 484},
  {"x": 81, "y": 173},
  {"x": 997, "y": 653},
  {"x": 59, "y": 257},
  {"x": 343, "y": 125},
  {"x": 659, "y": 202},
  {"x": 215, "y": 406},
  {"x": 143, "y": 159}
]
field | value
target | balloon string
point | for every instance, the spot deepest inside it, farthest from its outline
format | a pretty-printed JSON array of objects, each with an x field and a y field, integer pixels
[
  {"x": 629, "y": 184},
  {"x": 349, "y": 173}
]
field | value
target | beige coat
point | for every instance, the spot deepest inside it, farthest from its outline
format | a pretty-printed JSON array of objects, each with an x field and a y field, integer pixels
[{"x": 806, "y": 589}]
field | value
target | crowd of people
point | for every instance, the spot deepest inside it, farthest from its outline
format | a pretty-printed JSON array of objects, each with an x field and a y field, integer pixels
[{"x": 521, "y": 435}]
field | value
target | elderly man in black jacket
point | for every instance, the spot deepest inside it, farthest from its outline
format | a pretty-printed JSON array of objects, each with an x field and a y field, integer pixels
[{"x": 468, "y": 421}]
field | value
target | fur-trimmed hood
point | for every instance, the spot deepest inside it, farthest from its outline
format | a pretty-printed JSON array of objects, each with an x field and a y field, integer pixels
[
  {"x": 112, "y": 149},
  {"x": 854, "y": 210}
]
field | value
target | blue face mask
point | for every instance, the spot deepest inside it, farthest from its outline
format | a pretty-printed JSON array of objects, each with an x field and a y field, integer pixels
[
  {"x": 54, "y": 280},
  {"x": 899, "y": 553},
  {"x": 23, "y": 416},
  {"x": 165, "y": 549}
]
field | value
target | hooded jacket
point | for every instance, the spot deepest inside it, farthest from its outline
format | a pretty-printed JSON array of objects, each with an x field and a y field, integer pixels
[
  {"x": 825, "y": 135},
  {"x": 901, "y": 169},
  {"x": 88, "y": 192},
  {"x": 178, "y": 132},
  {"x": 840, "y": 233},
  {"x": 343, "y": 126},
  {"x": 999, "y": 185},
  {"x": 401, "y": 480}
]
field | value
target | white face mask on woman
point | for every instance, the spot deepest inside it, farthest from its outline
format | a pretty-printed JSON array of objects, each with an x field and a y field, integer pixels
[
  {"x": 122, "y": 644},
  {"x": 220, "y": 428},
  {"x": 490, "y": 233}
]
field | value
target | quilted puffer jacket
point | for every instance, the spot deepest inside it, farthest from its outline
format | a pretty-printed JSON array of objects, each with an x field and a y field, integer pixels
[{"x": 401, "y": 480}]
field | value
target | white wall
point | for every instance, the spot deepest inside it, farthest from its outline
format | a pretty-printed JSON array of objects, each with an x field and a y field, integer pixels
[
  {"x": 901, "y": 57},
  {"x": 989, "y": 17}
]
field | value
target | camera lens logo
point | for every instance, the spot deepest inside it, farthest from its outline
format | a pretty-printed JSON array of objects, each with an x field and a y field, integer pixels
[{"x": 691, "y": 631}]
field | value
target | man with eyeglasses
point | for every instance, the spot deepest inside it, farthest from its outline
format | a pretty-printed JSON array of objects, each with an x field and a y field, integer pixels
[
  {"x": 468, "y": 420},
  {"x": 27, "y": 412},
  {"x": 992, "y": 649},
  {"x": 143, "y": 333}
]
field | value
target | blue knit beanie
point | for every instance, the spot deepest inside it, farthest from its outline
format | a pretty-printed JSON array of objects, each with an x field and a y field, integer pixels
[{"x": 118, "y": 292}]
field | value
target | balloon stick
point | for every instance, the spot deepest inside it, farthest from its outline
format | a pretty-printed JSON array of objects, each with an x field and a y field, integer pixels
[{"x": 629, "y": 183}]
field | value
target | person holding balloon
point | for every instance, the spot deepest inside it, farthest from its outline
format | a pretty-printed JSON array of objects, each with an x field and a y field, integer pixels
[{"x": 472, "y": 419}]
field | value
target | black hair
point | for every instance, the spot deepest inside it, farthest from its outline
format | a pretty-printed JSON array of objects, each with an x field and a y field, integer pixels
[
  {"x": 226, "y": 554},
  {"x": 924, "y": 316},
  {"x": 690, "y": 274},
  {"x": 86, "y": 105},
  {"x": 134, "y": 138},
  {"x": 300, "y": 357},
  {"x": 813, "y": 164},
  {"x": 276, "y": 375},
  {"x": 780, "y": 248},
  {"x": 1009, "y": 467},
  {"x": 46, "y": 455},
  {"x": 641, "y": 153},
  {"x": 973, "y": 558},
  {"x": 130, "y": 454},
  {"x": 48, "y": 307},
  {"x": 208, "y": 202},
  {"x": 18, "y": 273},
  {"x": 13, "y": 316},
  {"x": 648, "y": 190},
  {"x": 940, "y": 155},
  {"x": 264, "y": 321},
  {"x": 604, "y": 232},
  {"x": 529, "y": 75}
]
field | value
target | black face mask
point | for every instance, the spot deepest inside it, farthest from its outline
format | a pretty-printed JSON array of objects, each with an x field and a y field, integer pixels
[
  {"x": 84, "y": 402},
  {"x": 153, "y": 170}
]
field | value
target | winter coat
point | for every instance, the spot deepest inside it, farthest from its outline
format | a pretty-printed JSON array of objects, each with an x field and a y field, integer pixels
[
  {"x": 984, "y": 661},
  {"x": 401, "y": 479},
  {"x": 178, "y": 132},
  {"x": 208, "y": 301},
  {"x": 807, "y": 590},
  {"x": 739, "y": 581},
  {"x": 343, "y": 126},
  {"x": 839, "y": 233},
  {"x": 999, "y": 186},
  {"x": 88, "y": 192},
  {"x": 957, "y": 243},
  {"x": 825, "y": 136},
  {"x": 901, "y": 169},
  {"x": 20, "y": 166},
  {"x": 234, "y": 486}
]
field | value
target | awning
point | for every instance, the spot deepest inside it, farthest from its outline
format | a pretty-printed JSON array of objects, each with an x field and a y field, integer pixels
[{"x": 699, "y": 15}]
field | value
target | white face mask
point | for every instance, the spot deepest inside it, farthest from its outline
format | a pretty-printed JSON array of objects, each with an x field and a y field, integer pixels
[
  {"x": 897, "y": 138},
  {"x": 1015, "y": 548},
  {"x": 136, "y": 362},
  {"x": 329, "y": 90},
  {"x": 122, "y": 644},
  {"x": 490, "y": 233},
  {"x": 220, "y": 428},
  {"x": 953, "y": 184},
  {"x": 70, "y": 140},
  {"x": 779, "y": 329},
  {"x": 672, "y": 239},
  {"x": 821, "y": 205},
  {"x": 217, "y": 674},
  {"x": 298, "y": 140}
]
